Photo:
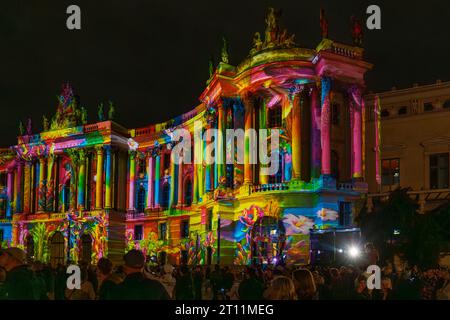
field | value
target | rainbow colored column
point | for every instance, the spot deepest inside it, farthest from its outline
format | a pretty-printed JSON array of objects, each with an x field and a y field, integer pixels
[
  {"x": 150, "y": 174},
  {"x": 220, "y": 143},
  {"x": 18, "y": 187},
  {"x": 41, "y": 199},
  {"x": 248, "y": 124},
  {"x": 108, "y": 178},
  {"x": 180, "y": 182},
  {"x": 157, "y": 179},
  {"x": 9, "y": 193},
  {"x": 99, "y": 180},
  {"x": 81, "y": 180},
  {"x": 208, "y": 184},
  {"x": 325, "y": 136},
  {"x": 49, "y": 184},
  {"x": 357, "y": 133},
  {"x": 296, "y": 136},
  {"x": 263, "y": 179},
  {"x": 315, "y": 130},
  {"x": 173, "y": 182},
  {"x": 132, "y": 181}
]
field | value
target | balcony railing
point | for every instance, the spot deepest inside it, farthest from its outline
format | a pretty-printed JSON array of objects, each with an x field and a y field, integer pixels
[{"x": 270, "y": 187}]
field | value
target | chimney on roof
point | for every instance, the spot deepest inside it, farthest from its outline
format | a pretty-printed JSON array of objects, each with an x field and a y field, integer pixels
[
  {"x": 394, "y": 88},
  {"x": 415, "y": 85},
  {"x": 438, "y": 81}
]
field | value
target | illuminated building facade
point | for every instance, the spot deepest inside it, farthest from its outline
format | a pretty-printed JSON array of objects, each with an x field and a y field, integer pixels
[{"x": 113, "y": 189}]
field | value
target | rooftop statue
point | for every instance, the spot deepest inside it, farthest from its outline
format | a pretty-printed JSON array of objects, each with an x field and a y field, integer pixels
[
  {"x": 111, "y": 111},
  {"x": 45, "y": 123},
  {"x": 224, "y": 53},
  {"x": 357, "y": 31},
  {"x": 21, "y": 129},
  {"x": 29, "y": 127},
  {"x": 67, "y": 113},
  {"x": 273, "y": 36},
  {"x": 101, "y": 116},
  {"x": 323, "y": 24}
]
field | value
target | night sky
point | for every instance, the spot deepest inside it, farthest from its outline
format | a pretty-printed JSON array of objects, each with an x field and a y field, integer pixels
[{"x": 151, "y": 57}]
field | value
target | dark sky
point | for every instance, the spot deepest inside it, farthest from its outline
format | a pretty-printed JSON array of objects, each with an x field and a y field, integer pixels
[{"x": 151, "y": 57}]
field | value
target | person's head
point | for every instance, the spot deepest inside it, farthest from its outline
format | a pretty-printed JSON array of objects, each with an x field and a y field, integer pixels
[
  {"x": 334, "y": 273},
  {"x": 11, "y": 258},
  {"x": 104, "y": 268},
  {"x": 281, "y": 288},
  {"x": 386, "y": 283},
  {"x": 134, "y": 262},
  {"x": 388, "y": 270},
  {"x": 361, "y": 283},
  {"x": 305, "y": 286}
]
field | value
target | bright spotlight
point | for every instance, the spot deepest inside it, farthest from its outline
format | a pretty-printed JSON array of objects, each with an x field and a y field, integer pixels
[
  {"x": 340, "y": 250},
  {"x": 354, "y": 252}
]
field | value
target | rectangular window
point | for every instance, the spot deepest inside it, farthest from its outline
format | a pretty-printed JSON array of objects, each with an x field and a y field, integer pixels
[
  {"x": 274, "y": 114},
  {"x": 162, "y": 231},
  {"x": 439, "y": 171},
  {"x": 138, "y": 232},
  {"x": 1, "y": 236},
  {"x": 166, "y": 161},
  {"x": 184, "y": 229},
  {"x": 345, "y": 214},
  {"x": 336, "y": 114},
  {"x": 390, "y": 172}
]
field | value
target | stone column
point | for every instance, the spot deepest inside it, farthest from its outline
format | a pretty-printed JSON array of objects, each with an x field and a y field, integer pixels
[
  {"x": 248, "y": 125},
  {"x": 296, "y": 136},
  {"x": 108, "y": 178},
  {"x": 157, "y": 179},
  {"x": 180, "y": 182},
  {"x": 50, "y": 184},
  {"x": 132, "y": 181},
  {"x": 325, "y": 136},
  {"x": 9, "y": 192},
  {"x": 99, "y": 180},
  {"x": 150, "y": 173},
  {"x": 27, "y": 186},
  {"x": 357, "y": 105},
  {"x": 173, "y": 183},
  {"x": 41, "y": 199},
  {"x": 18, "y": 187},
  {"x": 315, "y": 134},
  {"x": 81, "y": 180}
]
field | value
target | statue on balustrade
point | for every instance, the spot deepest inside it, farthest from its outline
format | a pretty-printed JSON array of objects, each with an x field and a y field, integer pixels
[
  {"x": 111, "y": 111},
  {"x": 357, "y": 31}
]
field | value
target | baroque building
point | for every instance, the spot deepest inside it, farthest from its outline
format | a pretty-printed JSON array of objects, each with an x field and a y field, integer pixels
[{"x": 79, "y": 191}]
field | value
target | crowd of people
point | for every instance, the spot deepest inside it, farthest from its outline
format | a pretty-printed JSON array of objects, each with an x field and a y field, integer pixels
[{"x": 137, "y": 280}]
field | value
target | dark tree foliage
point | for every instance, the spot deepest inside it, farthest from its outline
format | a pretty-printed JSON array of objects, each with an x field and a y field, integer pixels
[{"x": 418, "y": 236}]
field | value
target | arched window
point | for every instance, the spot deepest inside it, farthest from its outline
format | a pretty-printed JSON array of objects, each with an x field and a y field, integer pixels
[
  {"x": 141, "y": 199},
  {"x": 56, "y": 247},
  {"x": 165, "y": 196},
  {"x": 188, "y": 192},
  {"x": 86, "y": 248}
]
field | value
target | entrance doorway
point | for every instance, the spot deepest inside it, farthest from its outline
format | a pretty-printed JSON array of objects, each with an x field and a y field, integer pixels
[{"x": 268, "y": 241}]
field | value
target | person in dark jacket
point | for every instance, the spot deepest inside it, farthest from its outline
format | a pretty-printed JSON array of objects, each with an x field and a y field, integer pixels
[
  {"x": 135, "y": 285},
  {"x": 19, "y": 278},
  {"x": 251, "y": 288}
]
